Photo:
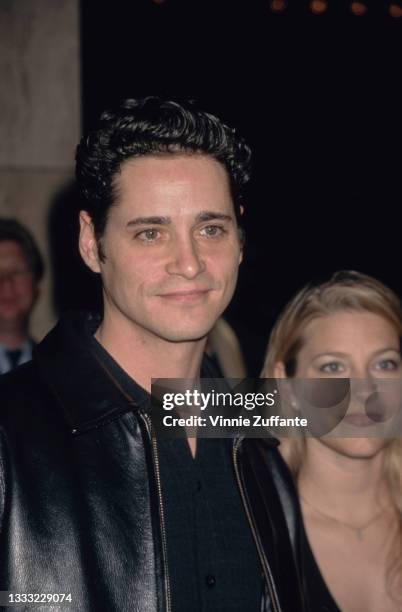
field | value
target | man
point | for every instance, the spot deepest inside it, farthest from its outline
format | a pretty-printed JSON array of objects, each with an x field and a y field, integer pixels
[
  {"x": 21, "y": 270},
  {"x": 94, "y": 505}
]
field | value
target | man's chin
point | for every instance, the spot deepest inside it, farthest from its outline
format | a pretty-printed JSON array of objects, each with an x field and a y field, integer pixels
[
  {"x": 189, "y": 334},
  {"x": 186, "y": 337}
]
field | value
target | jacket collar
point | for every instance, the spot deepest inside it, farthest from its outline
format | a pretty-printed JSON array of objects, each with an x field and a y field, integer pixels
[
  {"x": 86, "y": 391},
  {"x": 88, "y": 394}
]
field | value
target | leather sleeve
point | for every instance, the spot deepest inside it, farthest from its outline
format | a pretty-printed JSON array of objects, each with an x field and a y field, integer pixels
[{"x": 2, "y": 480}]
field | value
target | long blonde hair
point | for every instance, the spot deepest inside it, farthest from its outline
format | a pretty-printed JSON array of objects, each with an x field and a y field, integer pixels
[{"x": 355, "y": 292}]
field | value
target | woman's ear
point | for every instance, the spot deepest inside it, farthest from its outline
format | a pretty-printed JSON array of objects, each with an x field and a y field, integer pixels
[
  {"x": 279, "y": 370},
  {"x": 289, "y": 403}
]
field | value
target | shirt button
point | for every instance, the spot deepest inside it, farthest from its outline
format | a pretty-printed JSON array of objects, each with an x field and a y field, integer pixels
[
  {"x": 198, "y": 485},
  {"x": 210, "y": 581}
]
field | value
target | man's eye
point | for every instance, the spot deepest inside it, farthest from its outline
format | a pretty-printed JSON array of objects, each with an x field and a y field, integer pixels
[
  {"x": 148, "y": 235},
  {"x": 212, "y": 231},
  {"x": 334, "y": 367}
]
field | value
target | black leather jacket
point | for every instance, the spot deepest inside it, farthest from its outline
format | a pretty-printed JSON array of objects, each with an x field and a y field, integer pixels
[{"x": 81, "y": 510}]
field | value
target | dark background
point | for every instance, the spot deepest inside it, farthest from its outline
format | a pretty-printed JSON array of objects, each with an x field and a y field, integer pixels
[{"x": 318, "y": 99}]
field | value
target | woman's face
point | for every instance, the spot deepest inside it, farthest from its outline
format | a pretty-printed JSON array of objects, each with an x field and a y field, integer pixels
[
  {"x": 354, "y": 345},
  {"x": 350, "y": 345}
]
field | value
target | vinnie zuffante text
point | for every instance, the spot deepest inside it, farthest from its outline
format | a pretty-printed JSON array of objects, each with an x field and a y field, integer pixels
[{"x": 200, "y": 401}]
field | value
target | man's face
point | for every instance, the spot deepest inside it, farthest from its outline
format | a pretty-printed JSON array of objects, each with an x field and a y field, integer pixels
[
  {"x": 18, "y": 288},
  {"x": 172, "y": 247}
]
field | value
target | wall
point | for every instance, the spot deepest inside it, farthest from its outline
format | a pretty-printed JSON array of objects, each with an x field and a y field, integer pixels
[{"x": 39, "y": 117}]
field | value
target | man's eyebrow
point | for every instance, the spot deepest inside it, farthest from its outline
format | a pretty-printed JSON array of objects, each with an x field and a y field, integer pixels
[
  {"x": 149, "y": 221},
  {"x": 210, "y": 215},
  {"x": 206, "y": 215}
]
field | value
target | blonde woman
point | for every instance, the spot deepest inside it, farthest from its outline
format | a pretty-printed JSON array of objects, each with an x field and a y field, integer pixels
[{"x": 350, "y": 489}]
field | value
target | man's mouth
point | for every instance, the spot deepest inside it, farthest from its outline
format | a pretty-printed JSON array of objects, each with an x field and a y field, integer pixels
[{"x": 192, "y": 295}]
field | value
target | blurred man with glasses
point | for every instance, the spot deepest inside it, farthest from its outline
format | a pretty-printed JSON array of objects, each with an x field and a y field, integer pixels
[{"x": 21, "y": 269}]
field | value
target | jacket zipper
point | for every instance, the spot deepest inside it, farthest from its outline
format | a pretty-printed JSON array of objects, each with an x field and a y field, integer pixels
[
  {"x": 155, "y": 455},
  {"x": 264, "y": 562}
]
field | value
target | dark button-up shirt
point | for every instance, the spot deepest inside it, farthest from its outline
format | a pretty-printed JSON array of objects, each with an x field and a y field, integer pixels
[{"x": 212, "y": 559}]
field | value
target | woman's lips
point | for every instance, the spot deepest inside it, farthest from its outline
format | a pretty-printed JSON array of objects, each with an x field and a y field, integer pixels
[{"x": 359, "y": 419}]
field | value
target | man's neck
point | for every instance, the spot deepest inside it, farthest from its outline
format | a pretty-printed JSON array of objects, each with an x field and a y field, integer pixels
[
  {"x": 13, "y": 338},
  {"x": 145, "y": 356}
]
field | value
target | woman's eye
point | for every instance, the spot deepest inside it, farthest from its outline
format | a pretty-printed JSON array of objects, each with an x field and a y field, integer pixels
[
  {"x": 387, "y": 364},
  {"x": 212, "y": 231},
  {"x": 148, "y": 235},
  {"x": 334, "y": 367}
]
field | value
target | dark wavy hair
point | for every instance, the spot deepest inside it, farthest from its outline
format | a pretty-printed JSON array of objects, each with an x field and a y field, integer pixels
[
  {"x": 13, "y": 230},
  {"x": 152, "y": 126}
]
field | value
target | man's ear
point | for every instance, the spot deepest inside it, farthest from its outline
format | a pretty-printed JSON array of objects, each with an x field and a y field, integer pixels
[{"x": 87, "y": 242}]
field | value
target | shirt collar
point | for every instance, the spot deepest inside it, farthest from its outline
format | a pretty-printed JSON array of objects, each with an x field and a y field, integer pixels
[{"x": 26, "y": 354}]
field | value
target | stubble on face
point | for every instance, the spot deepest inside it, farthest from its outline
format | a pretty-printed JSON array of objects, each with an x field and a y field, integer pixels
[{"x": 172, "y": 248}]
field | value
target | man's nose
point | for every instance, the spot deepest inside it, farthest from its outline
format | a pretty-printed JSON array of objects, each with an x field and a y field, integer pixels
[{"x": 185, "y": 259}]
